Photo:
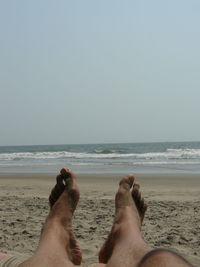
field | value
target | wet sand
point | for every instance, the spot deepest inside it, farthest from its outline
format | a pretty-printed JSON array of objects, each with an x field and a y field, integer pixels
[{"x": 172, "y": 219}]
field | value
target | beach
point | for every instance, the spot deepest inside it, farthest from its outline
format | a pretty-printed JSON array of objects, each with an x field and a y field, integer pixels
[{"x": 172, "y": 219}]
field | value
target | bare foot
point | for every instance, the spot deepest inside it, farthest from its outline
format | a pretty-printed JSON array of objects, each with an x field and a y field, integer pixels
[
  {"x": 58, "y": 245},
  {"x": 125, "y": 233},
  {"x": 63, "y": 200}
]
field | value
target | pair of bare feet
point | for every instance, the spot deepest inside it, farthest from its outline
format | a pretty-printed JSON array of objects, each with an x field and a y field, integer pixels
[{"x": 124, "y": 245}]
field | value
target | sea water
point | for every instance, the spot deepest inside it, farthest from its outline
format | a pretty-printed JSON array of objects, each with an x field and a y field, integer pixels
[{"x": 165, "y": 157}]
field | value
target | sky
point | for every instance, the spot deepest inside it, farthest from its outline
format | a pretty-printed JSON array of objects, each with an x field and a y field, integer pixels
[{"x": 75, "y": 72}]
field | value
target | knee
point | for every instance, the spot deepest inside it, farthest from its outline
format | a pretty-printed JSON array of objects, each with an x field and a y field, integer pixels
[{"x": 162, "y": 258}]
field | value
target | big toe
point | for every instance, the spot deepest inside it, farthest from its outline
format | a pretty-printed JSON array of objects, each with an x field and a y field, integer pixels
[
  {"x": 122, "y": 197},
  {"x": 66, "y": 175},
  {"x": 127, "y": 182},
  {"x": 71, "y": 186}
]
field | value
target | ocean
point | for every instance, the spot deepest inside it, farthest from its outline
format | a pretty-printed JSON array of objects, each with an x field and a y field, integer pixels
[{"x": 165, "y": 157}]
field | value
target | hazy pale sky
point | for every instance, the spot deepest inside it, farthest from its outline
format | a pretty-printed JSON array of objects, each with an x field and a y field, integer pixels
[{"x": 99, "y": 71}]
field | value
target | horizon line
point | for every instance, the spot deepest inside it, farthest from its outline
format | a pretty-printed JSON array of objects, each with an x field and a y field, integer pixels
[{"x": 103, "y": 143}]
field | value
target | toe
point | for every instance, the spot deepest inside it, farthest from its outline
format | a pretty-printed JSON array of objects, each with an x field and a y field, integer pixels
[
  {"x": 137, "y": 195},
  {"x": 135, "y": 190},
  {"x": 59, "y": 180},
  {"x": 64, "y": 171},
  {"x": 65, "y": 174},
  {"x": 138, "y": 200},
  {"x": 127, "y": 182},
  {"x": 142, "y": 204},
  {"x": 136, "y": 187},
  {"x": 144, "y": 208}
]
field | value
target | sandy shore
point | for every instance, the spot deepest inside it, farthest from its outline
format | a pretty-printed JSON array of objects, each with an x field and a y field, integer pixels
[{"x": 172, "y": 219}]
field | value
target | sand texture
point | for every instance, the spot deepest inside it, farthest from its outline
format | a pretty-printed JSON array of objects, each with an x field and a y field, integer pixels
[{"x": 172, "y": 219}]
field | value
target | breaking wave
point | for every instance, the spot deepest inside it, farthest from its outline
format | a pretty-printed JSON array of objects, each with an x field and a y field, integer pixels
[{"x": 169, "y": 154}]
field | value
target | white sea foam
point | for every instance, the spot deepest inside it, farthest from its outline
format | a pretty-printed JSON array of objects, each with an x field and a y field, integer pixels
[{"x": 169, "y": 154}]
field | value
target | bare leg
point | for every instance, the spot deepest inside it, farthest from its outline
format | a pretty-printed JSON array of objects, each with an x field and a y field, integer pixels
[
  {"x": 125, "y": 245},
  {"x": 58, "y": 246}
]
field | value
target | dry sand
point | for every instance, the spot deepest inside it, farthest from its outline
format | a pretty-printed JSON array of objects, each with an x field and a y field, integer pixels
[{"x": 172, "y": 219}]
